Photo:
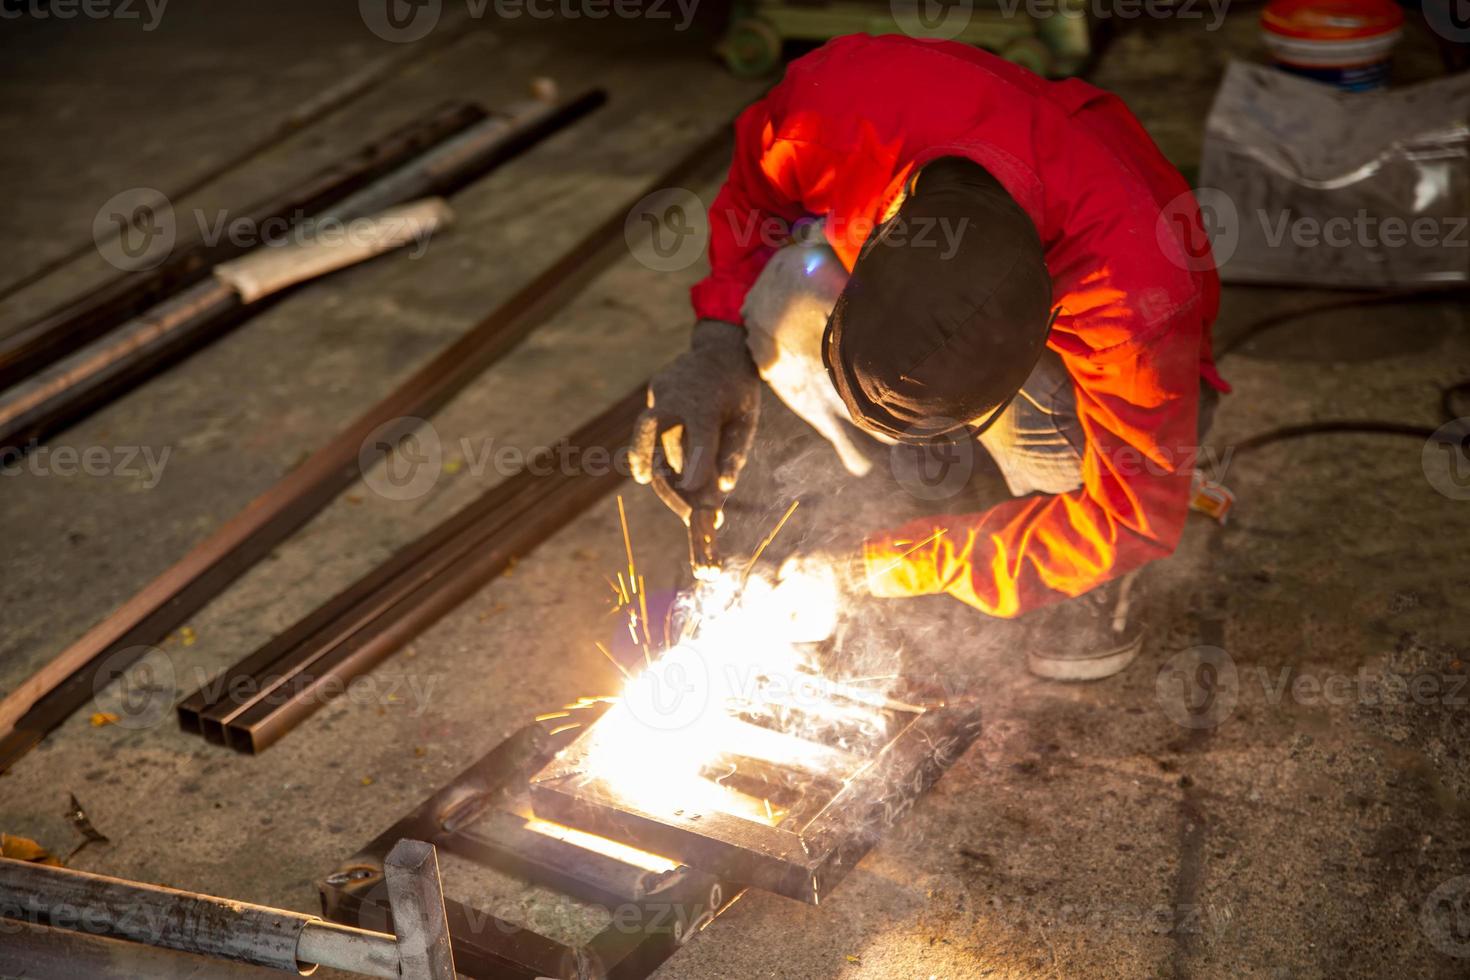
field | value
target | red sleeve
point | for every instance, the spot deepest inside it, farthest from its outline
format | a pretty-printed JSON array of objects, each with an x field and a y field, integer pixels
[
  {"x": 1138, "y": 406},
  {"x": 751, "y": 216}
]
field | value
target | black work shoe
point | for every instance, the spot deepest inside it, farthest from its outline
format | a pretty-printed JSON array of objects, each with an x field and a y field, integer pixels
[{"x": 1087, "y": 638}]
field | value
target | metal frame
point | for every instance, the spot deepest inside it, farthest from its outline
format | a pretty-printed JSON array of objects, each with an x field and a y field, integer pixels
[
  {"x": 836, "y": 814},
  {"x": 268, "y": 693},
  {"x": 69, "y": 681},
  {"x": 652, "y": 913}
]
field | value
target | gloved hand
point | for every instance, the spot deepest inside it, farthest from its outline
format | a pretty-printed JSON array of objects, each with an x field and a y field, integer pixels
[{"x": 693, "y": 440}]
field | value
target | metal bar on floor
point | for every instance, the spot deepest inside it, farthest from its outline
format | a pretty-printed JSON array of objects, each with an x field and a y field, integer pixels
[{"x": 62, "y": 686}]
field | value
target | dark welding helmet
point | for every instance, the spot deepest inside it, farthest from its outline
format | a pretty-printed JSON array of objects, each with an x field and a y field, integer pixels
[{"x": 946, "y": 312}]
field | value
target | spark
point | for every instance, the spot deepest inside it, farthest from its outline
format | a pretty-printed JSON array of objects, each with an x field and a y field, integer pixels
[
  {"x": 564, "y": 728},
  {"x": 899, "y": 560},
  {"x": 612, "y": 660},
  {"x": 643, "y": 608},
  {"x": 553, "y": 714},
  {"x": 768, "y": 539},
  {"x": 627, "y": 544}
]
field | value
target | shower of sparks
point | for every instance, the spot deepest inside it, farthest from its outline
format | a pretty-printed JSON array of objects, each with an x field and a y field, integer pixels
[{"x": 741, "y": 681}]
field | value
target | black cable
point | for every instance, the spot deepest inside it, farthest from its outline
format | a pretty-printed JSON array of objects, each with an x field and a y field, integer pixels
[{"x": 1361, "y": 426}]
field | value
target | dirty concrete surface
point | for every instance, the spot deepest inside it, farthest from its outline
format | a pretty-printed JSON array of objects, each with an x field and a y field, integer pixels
[{"x": 1311, "y": 824}]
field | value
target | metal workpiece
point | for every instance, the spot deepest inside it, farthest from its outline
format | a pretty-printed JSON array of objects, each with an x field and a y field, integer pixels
[
  {"x": 417, "y": 900},
  {"x": 166, "y": 602},
  {"x": 654, "y": 905},
  {"x": 829, "y": 812},
  {"x": 269, "y": 692},
  {"x": 61, "y": 898}
]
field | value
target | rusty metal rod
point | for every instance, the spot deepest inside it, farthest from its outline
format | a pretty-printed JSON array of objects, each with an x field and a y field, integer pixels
[{"x": 189, "y": 922}]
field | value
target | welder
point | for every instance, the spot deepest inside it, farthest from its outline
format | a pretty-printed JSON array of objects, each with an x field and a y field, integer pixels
[{"x": 933, "y": 243}]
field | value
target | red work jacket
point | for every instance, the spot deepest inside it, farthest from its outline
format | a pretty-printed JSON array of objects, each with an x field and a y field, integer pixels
[{"x": 1132, "y": 275}]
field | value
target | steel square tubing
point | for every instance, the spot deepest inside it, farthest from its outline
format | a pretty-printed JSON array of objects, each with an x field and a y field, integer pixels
[
  {"x": 405, "y": 594},
  {"x": 110, "y": 647},
  {"x": 800, "y": 861},
  {"x": 469, "y": 817}
]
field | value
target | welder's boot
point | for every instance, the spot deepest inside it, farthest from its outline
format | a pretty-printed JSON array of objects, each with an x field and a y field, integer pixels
[{"x": 1087, "y": 638}]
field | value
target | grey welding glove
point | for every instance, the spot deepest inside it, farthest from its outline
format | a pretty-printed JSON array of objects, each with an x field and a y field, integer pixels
[{"x": 692, "y": 441}]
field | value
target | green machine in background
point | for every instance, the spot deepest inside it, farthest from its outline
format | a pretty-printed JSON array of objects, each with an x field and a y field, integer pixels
[{"x": 1050, "y": 37}]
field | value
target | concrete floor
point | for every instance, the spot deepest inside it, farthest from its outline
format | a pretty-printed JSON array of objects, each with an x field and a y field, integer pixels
[{"x": 1088, "y": 833}]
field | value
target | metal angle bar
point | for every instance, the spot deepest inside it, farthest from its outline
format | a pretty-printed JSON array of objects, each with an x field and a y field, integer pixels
[
  {"x": 263, "y": 725},
  {"x": 86, "y": 317},
  {"x": 94, "y": 374},
  {"x": 368, "y": 597},
  {"x": 43, "y": 701},
  {"x": 522, "y": 511},
  {"x": 641, "y": 934},
  {"x": 327, "y": 614}
]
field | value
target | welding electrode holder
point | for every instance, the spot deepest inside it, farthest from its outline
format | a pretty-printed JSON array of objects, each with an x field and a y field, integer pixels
[{"x": 701, "y": 512}]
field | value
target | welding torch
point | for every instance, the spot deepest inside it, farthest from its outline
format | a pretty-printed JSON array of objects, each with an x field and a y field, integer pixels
[{"x": 701, "y": 509}]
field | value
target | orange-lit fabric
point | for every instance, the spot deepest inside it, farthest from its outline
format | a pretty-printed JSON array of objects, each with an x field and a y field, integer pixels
[{"x": 838, "y": 138}]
